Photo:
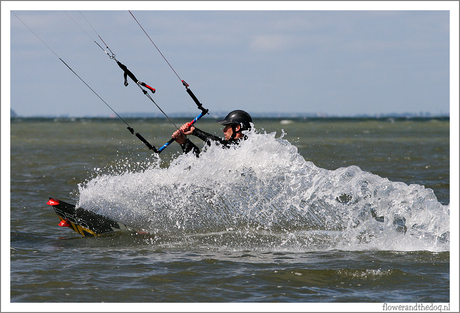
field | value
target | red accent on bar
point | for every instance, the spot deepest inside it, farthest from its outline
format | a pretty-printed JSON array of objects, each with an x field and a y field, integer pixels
[{"x": 152, "y": 89}]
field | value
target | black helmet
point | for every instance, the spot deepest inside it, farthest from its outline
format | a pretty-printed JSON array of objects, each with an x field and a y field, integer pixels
[{"x": 237, "y": 117}]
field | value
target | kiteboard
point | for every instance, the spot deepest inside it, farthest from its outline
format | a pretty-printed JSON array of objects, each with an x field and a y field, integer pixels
[{"x": 85, "y": 222}]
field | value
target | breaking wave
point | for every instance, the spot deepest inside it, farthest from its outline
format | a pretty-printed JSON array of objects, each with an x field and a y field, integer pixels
[{"x": 263, "y": 194}]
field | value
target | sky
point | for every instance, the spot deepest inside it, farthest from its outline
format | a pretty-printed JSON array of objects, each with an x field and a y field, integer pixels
[{"x": 333, "y": 58}]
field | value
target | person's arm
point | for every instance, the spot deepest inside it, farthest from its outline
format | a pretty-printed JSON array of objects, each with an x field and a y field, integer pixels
[
  {"x": 188, "y": 146},
  {"x": 208, "y": 138},
  {"x": 185, "y": 143}
]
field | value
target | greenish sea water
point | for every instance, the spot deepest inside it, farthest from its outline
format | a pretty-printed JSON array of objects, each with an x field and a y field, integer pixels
[{"x": 285, "y": 218}]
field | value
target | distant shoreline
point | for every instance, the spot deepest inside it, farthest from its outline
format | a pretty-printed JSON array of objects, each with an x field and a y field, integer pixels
[
  {"x": 258, "y": 115},
  {"x": 307, "y": 118}
]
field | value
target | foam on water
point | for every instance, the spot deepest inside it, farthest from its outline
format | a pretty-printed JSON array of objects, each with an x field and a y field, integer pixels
[{"x": 264, "y": 195}]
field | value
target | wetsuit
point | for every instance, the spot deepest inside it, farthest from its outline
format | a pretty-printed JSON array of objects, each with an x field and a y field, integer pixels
[{"x": 208, "y": 138}]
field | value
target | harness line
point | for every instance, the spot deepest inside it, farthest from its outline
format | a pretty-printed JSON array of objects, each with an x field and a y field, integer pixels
[{"x": 189, "y": 91}]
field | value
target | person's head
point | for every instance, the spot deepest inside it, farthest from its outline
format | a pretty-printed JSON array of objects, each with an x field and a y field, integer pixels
[{"x": 235, "y": 122}]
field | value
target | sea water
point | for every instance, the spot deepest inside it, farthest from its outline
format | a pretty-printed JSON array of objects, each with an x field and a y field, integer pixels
[{"x": 301, "y": 211}]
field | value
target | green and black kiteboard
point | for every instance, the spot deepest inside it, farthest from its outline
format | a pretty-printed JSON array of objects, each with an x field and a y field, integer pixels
[{"x": 85, "y": 222}]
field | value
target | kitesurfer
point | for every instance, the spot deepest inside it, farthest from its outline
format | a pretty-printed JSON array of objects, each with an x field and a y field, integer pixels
[{"x": 235, "y": 123}]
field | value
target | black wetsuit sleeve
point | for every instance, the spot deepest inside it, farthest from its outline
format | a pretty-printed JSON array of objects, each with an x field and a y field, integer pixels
[
  {"x": 208, "y": 138},
  {"x": 190, "y": 146}
]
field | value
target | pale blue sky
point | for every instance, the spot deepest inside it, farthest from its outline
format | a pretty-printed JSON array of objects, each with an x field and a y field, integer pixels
[{"x": 305, "y": 60}]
